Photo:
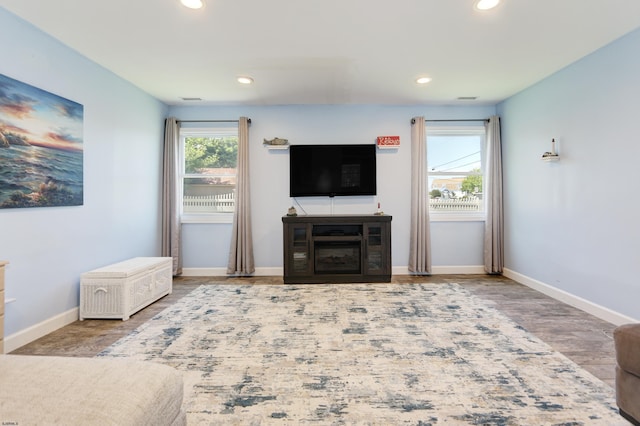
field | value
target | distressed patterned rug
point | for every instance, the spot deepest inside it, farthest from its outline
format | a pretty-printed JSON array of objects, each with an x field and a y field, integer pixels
[{"x": 378, "y": 354}]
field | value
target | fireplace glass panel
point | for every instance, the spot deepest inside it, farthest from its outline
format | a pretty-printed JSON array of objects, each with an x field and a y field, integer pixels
[
  {"x": 375, "y": 249},
  {"x": 300, "y": 250},
  {"x": 337, "y": 257}
]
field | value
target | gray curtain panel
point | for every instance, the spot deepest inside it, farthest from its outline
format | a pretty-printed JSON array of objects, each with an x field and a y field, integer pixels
[
  {"x": 420, "y": 238},
  {"x": 494, "y": 224},
  {"x": 241, "y": 251},
  {"x": 171, "y": 226}
]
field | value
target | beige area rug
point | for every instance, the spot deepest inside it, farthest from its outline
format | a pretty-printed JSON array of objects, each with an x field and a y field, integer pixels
[{"x": 370, "y": 354}]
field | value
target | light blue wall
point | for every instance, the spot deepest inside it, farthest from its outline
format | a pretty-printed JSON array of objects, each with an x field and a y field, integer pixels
[
  {"x": 574, "y": 224},
  {"x": 48, "y": 248},
  {"x": 571, "y": 224},
  {"x": 207, "y": 246}
]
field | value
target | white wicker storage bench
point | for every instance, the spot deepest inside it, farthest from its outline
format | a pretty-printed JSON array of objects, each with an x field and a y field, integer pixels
[
  {"x": 44, "y": 390},
  {"x": 121, "y": 289}
]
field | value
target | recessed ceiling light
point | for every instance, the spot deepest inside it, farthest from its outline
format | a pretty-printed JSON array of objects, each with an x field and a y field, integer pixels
[
  {"x": 192, "y": 4},
  {"x": 486, "y": 4},
  {"x": 423, "y": 80},
  {"x": 245, "y": 80}
]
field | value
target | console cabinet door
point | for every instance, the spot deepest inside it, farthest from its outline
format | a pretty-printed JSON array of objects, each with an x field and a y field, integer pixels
[
  {"x": 377, "y": 248},
  {"x": 298, "y": 250}
]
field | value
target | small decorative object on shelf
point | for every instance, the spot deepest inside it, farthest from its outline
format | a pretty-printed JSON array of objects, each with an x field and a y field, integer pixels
[
  {"x": 276, "y": 143},
  {"x": 386, "y": 142},
  {"x": 551, "y": 156},
  {"x": 379, "y": 212},
  {"x": 292, "y": 211}
]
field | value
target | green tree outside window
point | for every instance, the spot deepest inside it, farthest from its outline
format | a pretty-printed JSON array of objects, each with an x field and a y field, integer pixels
[
  {"x": 210, "y": 153},
  {"x": 473, "y": 183}
]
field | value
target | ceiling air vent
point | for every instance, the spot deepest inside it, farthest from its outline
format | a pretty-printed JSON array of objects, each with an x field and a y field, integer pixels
[
  {"x": 467, "y": 98},
  {"x": 191, "y": 99}
]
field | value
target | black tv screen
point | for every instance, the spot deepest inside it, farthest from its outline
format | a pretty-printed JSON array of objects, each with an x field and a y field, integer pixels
[{"x": 332, "y": 170}]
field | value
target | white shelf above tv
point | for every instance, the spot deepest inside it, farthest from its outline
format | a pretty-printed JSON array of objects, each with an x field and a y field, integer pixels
[{"x": 275, "y": 146}]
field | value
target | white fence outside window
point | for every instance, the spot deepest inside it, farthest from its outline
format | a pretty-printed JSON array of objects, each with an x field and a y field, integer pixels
[
  {"x": 226, "y": 203},
  {"x": 209, "y": 203},
  {"x": 455, "y": 204}
]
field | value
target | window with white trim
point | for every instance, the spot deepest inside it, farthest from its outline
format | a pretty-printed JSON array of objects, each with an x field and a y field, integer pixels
[
  {"x": 209, "y": 158},
  {"x": 455, "y": 170}
]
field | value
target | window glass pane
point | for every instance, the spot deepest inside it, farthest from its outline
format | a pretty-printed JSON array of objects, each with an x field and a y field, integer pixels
[
  {"x": 205, "y": 153},
  {"x": 450, "y": 153},
  {"x": 455, "y": 170},
  {"x": 209, "y": 195},
  {"x": 455, "y": 193},
  {"x": 210, "y": 173}
]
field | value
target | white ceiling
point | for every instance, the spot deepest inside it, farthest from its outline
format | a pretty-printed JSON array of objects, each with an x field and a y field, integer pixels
[{"x": 332, "y": 51}]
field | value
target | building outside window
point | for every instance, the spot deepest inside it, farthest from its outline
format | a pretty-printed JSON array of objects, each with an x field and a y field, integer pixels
[
  {"x": 209, "y": 174},
  {"x": 455, "y": 169}
]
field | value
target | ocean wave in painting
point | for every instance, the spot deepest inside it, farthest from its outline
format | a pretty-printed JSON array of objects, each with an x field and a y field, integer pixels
[
  {"x": 34, "y": 176},
  {"x": 41, "y": 150}
]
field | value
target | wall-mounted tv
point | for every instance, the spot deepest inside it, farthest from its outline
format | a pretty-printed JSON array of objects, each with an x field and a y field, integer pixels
[{"x": 332, "y": 170}]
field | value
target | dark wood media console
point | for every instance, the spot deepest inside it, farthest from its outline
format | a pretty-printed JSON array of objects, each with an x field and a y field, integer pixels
[{"x": 337, "y": 249}]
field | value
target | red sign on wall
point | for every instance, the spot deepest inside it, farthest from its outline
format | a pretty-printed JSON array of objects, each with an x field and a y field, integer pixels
[{"x": 388, "y": 141}]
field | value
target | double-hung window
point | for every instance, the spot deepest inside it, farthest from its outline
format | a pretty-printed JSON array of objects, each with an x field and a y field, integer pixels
[
  {"x": 455, "y": 170},
  {"x": 209, "y": 159}
]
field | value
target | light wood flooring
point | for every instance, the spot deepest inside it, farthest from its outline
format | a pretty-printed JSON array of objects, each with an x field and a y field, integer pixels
[{"x": 581, "y": 337}]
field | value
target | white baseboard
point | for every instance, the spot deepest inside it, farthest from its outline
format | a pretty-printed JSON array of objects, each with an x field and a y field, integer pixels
[
  {"x": 462, "y": 270},
  {"x": 204, "y": 272},
  {"x": 222, "y": 272},
  {"x": 36, "y": 331},
  {"x": 594, "y": 309},
  {"x": 443, "y": 270},
  {"x": 277, "y": 270}
]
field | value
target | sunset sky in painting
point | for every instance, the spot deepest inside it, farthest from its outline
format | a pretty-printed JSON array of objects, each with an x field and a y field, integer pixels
[{"x": 42, "y": 118}]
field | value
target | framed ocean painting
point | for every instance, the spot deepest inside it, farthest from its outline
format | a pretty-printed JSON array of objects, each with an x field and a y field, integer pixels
[{"x": 41, "y": 147}]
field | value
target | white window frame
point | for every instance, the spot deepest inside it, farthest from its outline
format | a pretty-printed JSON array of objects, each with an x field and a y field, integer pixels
[
  {"x": 460, "y": 216},
  {"x": 213, "y": 217}
]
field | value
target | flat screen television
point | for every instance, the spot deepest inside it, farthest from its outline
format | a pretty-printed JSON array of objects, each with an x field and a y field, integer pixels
[{"x": 332, "y": 170}]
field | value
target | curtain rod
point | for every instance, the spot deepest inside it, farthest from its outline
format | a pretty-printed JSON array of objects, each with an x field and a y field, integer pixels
[
  {"x": 211, "y": 121},
  {"x": 413, "y": 120}
]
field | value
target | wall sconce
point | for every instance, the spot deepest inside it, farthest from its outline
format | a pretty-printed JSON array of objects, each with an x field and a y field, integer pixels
[{"x": 553, "y": 155}]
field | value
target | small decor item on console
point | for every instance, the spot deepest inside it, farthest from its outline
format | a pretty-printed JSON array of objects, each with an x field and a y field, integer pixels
[
  {"x": 292, "y": 211},
  {"x": 379, "y": 212},
  {"x": 276, "y": 141}
]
